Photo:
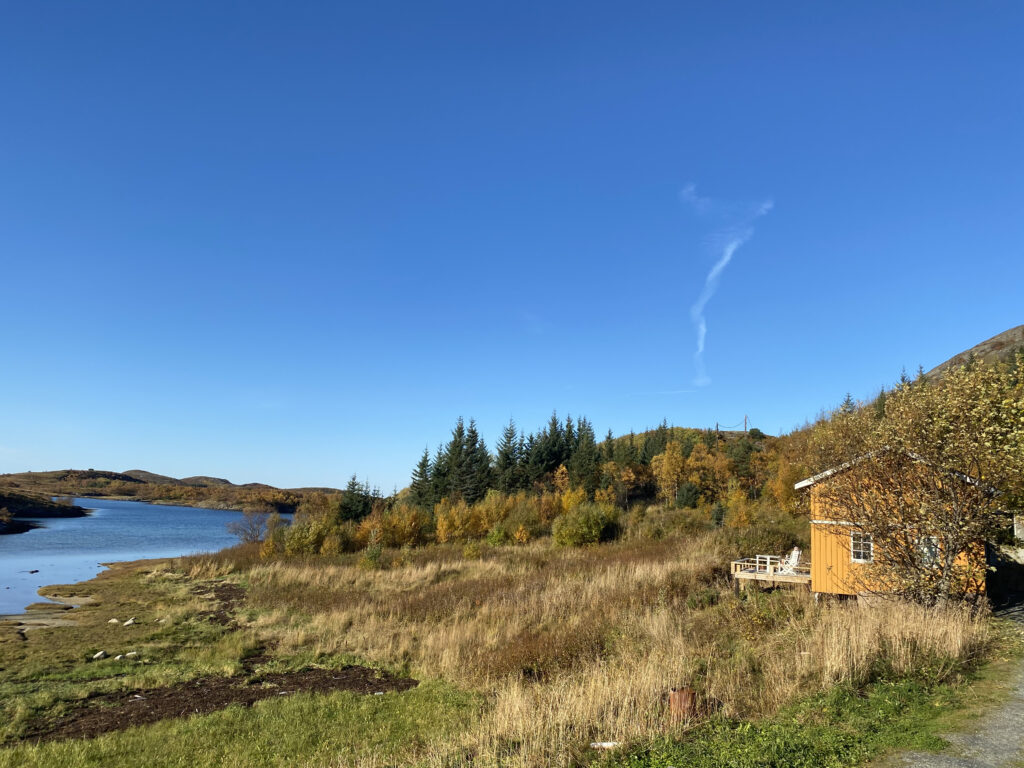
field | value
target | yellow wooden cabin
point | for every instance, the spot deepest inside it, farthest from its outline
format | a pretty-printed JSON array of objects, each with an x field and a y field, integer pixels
[{"x": 839, "y": 554}]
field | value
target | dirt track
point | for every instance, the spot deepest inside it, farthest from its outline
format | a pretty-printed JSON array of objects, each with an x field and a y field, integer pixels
[
  {"x": 118, "y": 711},
  {"x": 126, "y": 709}
]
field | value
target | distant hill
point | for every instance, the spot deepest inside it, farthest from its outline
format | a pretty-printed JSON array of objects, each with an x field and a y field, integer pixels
[
  {"x": 152, "y": 477},
  {"x": 62, "y": 481},
  {"x": 999, "y": 347},
  {"x": 205, "y": 482},
  {"x": 96, "y": 474},
  {"x": 142, "y": 485}
]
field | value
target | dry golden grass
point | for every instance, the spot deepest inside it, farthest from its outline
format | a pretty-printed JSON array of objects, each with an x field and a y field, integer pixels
[{"x": 571, "y": 646}]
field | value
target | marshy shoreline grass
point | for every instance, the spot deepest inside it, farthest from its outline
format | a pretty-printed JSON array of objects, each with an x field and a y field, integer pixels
[{"x": 526, "y": 655}]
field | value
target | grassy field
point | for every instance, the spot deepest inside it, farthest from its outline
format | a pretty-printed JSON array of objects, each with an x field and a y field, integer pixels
[{"x": 525, "y": 655}]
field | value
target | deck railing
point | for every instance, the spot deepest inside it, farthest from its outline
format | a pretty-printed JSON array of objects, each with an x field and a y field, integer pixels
[{"x": 767, "y": 566}]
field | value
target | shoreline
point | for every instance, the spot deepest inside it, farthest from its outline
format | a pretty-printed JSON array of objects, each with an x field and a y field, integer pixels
[
  {"x": 24, "y": 512},
  {"x": 18, "y": 526},
  {"x": 173, "y": 503},
  {"x": 55, "y": 612}
]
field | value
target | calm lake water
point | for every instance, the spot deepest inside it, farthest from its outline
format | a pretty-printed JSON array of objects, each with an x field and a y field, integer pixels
[{"x": 68, "y": 550}]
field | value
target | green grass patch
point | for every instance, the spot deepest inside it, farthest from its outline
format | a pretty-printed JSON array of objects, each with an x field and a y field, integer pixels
[
  {"x": 301, "y": 730},
  {"x": 841, "y": 728}
]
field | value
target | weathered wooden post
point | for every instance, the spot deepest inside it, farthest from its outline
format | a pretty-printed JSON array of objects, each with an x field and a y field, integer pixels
[{"x": 682, "y": 704}]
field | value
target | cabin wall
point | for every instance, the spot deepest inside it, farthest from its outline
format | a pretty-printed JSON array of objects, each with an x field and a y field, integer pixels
[
  {"x": 832, "y": 571},
  {"x": 832, "y": 568}
]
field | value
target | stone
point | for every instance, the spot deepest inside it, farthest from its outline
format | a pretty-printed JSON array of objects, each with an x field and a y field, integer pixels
[
  {"x": 119, "y": 657},
  {"x": 114, "y": 621},
  {"x": 99, "y": 655},
  {"x": 129, "y": 622},
  {"x": 131, "y": 654}
]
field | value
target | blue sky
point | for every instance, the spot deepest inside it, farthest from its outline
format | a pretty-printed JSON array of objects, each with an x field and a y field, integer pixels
[{"x": 287, "y": 242}]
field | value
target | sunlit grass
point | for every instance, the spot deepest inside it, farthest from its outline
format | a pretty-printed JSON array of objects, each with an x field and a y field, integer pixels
[{"x": 527, "y": 655}]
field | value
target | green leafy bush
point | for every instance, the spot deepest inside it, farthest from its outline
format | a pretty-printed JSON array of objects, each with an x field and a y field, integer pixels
[
  {"x": 586, "y": 524},
  {"x": 372, "y": 558}
]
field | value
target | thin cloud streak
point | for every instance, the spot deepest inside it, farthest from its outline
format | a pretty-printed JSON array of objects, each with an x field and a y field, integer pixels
[{"x": 729, "y": 240}]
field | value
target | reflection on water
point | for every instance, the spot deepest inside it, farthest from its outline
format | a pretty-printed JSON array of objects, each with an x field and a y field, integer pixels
[{"x": 64, "y": 551}]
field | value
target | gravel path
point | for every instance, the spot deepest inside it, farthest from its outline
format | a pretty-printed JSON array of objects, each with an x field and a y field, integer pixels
[{"x": 997, "y": 741}]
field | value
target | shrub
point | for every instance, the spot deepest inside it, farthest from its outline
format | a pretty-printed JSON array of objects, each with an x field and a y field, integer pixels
[
  {"x": 340, "y": 539},
  {"x": 373, "y": 556},
  {"x": 656, "y": 523},
  {"x": 767, "y": 539},
  {"x": 586, "y": 524},
  {"x": 472, "y": 550},
  {"x": 498, "y": 535},
  {"x": 521, "y": 535},
  {"x": 273, "y": 539},
  {"x": 402, "y": 524},
  {"x": 305, "y": 536},
  {"x": 249, "y": 530},
  {"x": 457, "y": 521}
]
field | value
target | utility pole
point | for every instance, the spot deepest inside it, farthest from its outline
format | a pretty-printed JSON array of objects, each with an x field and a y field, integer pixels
[{"x": 744, "y": 423}]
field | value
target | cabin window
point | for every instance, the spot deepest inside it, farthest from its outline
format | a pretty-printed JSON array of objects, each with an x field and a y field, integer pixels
[
  {"x": 862, "y": 550},
  {"x": 928, "y": 546}
]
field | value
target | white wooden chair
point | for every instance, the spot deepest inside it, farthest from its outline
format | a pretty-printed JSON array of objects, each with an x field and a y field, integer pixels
[{"x": 789, "y": 563}]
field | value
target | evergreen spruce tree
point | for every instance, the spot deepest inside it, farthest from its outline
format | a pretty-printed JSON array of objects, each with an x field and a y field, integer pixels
[
  {"x": 625, "y": 450},
  {"x": 609, "y": 447},
  {"x": 549, "y": 450},
  {"x": 655, "y": 443},
  {"x": 440, "y": 481},
  {"x": 421, "y": 489},
  {"x": 455, "y": 460},
  {"x": 476, "y": 474},
  {"x": 508, "y": 464},
  {"x": 568, "y": 441},
  {"x": 880, "y": 405},
  {"x": 531, "y": 462},
  {"x": 584, "y": 466},
  {"x": 356, "y": 502}
]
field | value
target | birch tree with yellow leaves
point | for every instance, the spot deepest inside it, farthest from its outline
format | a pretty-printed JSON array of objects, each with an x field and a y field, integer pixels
[{"x": 932, "y": 480}]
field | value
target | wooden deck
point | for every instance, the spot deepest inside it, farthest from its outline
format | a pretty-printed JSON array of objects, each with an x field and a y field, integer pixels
[{"x": 769, "y": 571}]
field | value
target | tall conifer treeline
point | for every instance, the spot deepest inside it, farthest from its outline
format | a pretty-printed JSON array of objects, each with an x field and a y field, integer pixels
[{"x": 464, "y": 468}]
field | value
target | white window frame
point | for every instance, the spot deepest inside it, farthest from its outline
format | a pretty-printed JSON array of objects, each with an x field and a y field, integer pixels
[{"x": 865, "y": 539}]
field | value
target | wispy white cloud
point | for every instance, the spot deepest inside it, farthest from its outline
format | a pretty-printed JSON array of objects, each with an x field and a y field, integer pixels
[
  {"x": 699, "y": 204},
  {"x": 726, "y": 242}
]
